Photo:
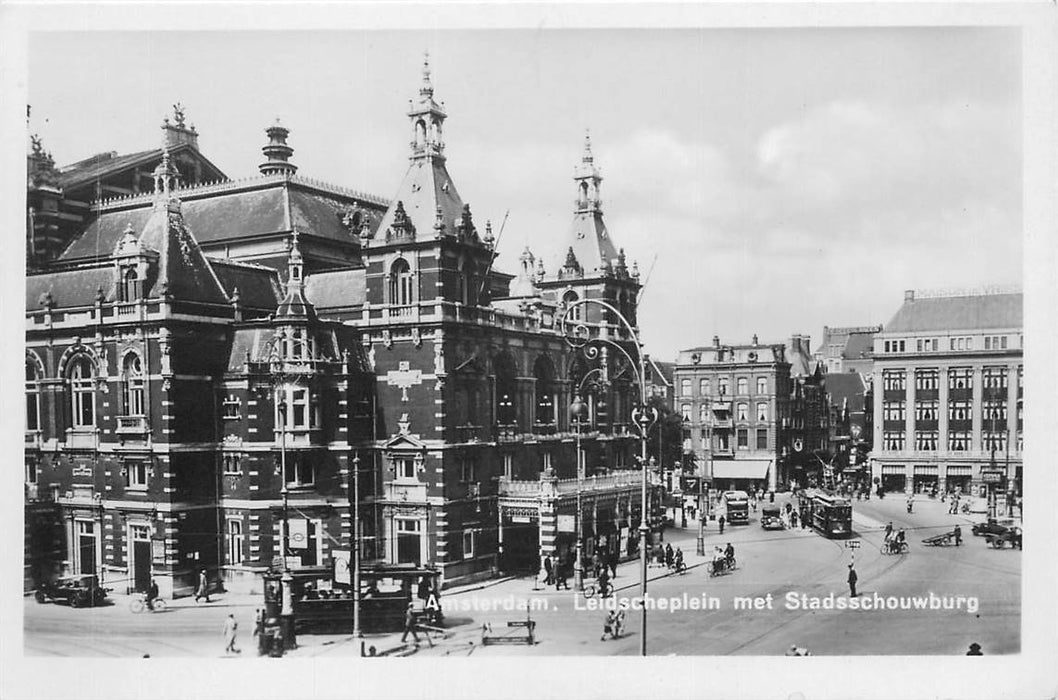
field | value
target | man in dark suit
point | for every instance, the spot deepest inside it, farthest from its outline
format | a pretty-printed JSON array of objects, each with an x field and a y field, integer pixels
[{"x": 852, "y": 581}]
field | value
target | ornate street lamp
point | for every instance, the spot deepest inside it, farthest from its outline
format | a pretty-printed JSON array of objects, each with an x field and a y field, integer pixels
[
  {"x": 286, "y": 613},
  {"x": 581, "y": 339},
  {"x": 577, "y": 412},
  {"x": 355, "y": 477}
]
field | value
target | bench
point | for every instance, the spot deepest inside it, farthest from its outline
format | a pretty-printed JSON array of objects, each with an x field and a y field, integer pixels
[{"x": 519, "y": 632}]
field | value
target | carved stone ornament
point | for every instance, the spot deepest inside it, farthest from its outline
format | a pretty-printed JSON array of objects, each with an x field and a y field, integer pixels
[
  {"x": 404, "y": 424},
  {"x": 416, "y": 337},
  {"x": 387, "y": 338}
]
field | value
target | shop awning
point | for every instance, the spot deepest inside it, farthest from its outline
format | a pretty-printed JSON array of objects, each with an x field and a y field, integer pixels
[{"x": 741, "y": 469}]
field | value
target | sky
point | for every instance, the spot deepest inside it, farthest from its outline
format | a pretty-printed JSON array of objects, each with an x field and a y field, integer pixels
[{"x": 767, "y": 181}]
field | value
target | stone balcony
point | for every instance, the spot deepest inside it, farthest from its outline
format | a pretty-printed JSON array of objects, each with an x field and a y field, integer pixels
[{"x": 411, "y": 492}]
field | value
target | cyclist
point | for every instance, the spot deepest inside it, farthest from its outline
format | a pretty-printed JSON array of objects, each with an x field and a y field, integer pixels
[
  {"x": 604, "y": 583},
  {"x": 152, "y": 594},
  {"x": 718, "y": 558},
  {"x": 729, "y": 556}
]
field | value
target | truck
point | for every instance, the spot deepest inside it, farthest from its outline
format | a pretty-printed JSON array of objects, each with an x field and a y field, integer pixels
[{"x": 737, "y": 505}]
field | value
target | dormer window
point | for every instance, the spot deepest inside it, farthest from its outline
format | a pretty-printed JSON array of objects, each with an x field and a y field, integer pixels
[
  {"x": 400, "y": 284},
  {"x": 130, "y": 285},
  {"x": 132, "y": 385}
]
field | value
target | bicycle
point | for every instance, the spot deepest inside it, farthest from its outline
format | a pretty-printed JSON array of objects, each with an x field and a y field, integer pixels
[
  {"x": 590, "y": 589},
  {"x": 139, "y": 603}
]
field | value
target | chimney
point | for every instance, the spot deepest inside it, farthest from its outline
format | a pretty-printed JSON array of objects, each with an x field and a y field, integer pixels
[
  {"x": 716, "y": 341},
  {"x": 278, "y": 152},
  {"x": 176, "y": 132},
  {"x": 909, "y": 295}
]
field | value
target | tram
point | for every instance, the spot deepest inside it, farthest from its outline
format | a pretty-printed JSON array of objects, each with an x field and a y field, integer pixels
[{"x": 829, "y": 515}]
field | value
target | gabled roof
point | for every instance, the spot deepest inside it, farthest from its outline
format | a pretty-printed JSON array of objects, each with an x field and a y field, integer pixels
[
  {"x": 183, "y": 271},
  {"x": 105, "y": 164},
  {"x": 849, "y": 386},
  {"x": 958, "y": 313},
  {"x": 426, "y": 186}
]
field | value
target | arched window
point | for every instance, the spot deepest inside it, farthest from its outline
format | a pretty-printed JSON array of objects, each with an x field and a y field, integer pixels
[
  {"x": 506, "y": 394},
  {"x": 546, "y": 391},
  {"x": 82, "y": 393},
  {"x": 32, "y": 396},
  {"x": 400, "y": 289},
  {"x": 742, "y": 411},
  {"x": 130, "y": 285},
  {"x": 742, "y": 386},
  {"x": 132, "y": 385},
  {"x": 569, "y": 298},
  {"x": 420, "y": 133},
  {"x": 762, "y": 411}
]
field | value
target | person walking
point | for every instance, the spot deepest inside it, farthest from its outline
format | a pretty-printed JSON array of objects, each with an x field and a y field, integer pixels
[
  {"x": 720, "y": 522},
  {"x": 853, "y": 578},
  {"x": 231, "y": 627},
  {"x": 203, "y": 586},
  {"x": 793, "y": 518},
  {"x": 958, "y": 535},
  {"x": 668, "y": 555},
  {"x": 613, "y": 564},
  {"x": 561, "y": 576},
  {"x": 409, "y": 624},
  {"x": 549, "y": 570},
  {"x": 889, "y": 530}
]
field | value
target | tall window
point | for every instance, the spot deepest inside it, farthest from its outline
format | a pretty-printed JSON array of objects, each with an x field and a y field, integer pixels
[
  {"x": 82, "y": 393},
  {"x": 762, "y": 438},
  {"x": 569, "y": 298},
  {"x": 743, "y": 438},
  {"x": 762, "y": 385},
  {"x": 960, "y": 378},
  {"x": 129, "y": 285},
  {"x": 32, "y": 396},
  {"x": 722, "y": 385},
  {"x": 685, "y": 411},
  {"x": 404, "y": 468},
  {"x": 703, "y": 387},
  {"x": 132, "y": 385},
  {"x": 295, "y": 401},
  {"x": 400, "y": 290},
  {"x": 893, "y": 440},
  {"x": 742, "y": 411},
  {"x": 234, "y": 541},
  {"x": 742, "y": 386},
  {"x": 926, "y": 440},
  {"x": 685, "y": 387},
  {"x": 136, "y": 476},
  {"x": 300, "y": 469},
  {"x": 762, "y": 411},
  {"x": 894, "y": 380},
  {"x": 703, "y": 413}
]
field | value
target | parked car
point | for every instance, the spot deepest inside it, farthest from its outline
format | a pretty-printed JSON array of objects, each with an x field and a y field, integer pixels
[
  {"x": 993, "y": 526},
  {"x": 78, "y": 591},
  {"x": 769, "y": 518}
]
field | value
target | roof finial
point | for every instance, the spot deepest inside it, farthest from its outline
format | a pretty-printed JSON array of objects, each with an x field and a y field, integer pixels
[
  {"x": 588, "y": 158},
  {"x": 427, "y": 86}
]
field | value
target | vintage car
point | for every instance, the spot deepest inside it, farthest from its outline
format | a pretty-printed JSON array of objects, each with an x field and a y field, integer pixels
[
  {"x": 79, "y": 591},
  {"x": 993, "y": 526},
  {"x": 769, "y": 519}
]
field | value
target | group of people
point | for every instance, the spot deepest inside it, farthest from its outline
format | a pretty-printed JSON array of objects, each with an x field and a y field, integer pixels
[
  {"x": 894, "y": 542},
  {"x": 556, "y": 571},
  {"x": 667, "y": 557},
  {"x": 723, "y": 557}
]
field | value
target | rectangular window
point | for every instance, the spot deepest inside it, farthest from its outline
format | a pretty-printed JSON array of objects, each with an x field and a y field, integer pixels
[
  {"x": 136, "y": 475},
  {"x": 742, "y": 386},
  {"x": 994, "y": 378},
  {"x": 685, "y": 387},
  {"x": 762, "y": 385},
  {"x": 918, "y": 344},
  {"x": 685, "y": 411},
  {"x": 893, "y": 410},
  {"x": 404, "y": 468},
  {"x": 703, "y": 413},
  {"x": 508, "y": 466},
  {"x": 723, "y": 441},
  {"x": 300, "y": 470},
  {"x": 893, "y": 440},
  {"x": 988, "y": 342},
  {"x": 234, "y": 542},
  {"x": 926, "y": 440},
  {"x": 468, "y": 544},
  {"x": 468, "y": 469},
  {"x": 294, "y": 401},
  {"x": 232, "y": 466},
  {"x": 960, "y": 378},
  {"x": 902, "y": 346},
  {"x": 762, "y": 438},
  {"x": 742, "y": 412},
  {"x": 996, "y": 441},
  {"x": 959, "y": 411},
  {"x": 926, "y": 379},
  {"x": 762, "y": 411},
  {"x": 959, "y": 440},
  {"x": 925, "y": 411},
  {"x": 546, "y": 460},
  {"x": 31, "y": 471},
  {"x": 703, "y": 387},
  {"x": 743, "y": 438},
  {"x": 722, "y": 385},
  {"x": 952, "y": 343},
  {"x": 231, "y": 408},
  {"x": 894, "y": 380}
]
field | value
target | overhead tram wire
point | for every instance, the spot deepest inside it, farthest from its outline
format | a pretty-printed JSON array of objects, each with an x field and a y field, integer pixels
[{"x": 646, "y": 280}]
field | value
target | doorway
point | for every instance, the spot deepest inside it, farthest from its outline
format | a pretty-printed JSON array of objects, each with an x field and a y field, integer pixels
[{"x": 141, "y": 556}]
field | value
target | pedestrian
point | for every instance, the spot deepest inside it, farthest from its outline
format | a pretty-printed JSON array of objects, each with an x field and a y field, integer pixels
[
  {"x": 975, "y": 650},
  {"x": 793, "y": 518},
  {"x": 958, "y": 535},
  {"x": 852, "y": 581},
  {"x": 668, "y": 555},
  {"x": 721, "y": 523},
  {"x": 613, "y": 564},
  {"x": 258, "y": 632},
  {"x": 549, "y": 569},
  {"x": 607, "y": 626},
  {"x": 203, "y": 586},
  {"x": 561, "y": 576},
  {"x": 409, "y": 624},
  {"x": 889, "y": 530},
  {"x": 231, "y": 627}
]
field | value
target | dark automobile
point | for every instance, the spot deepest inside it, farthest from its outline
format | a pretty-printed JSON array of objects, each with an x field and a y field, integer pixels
[
  {"x": 769, "y": 518},
  {"x": 992, "y": 527},
  {"x": 79, "y": 591}
]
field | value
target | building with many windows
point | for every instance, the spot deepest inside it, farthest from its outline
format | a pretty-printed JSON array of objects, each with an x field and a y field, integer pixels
[
  {"x": 847, "y": 349},
  {"x": 210, "y": 364},
  {"x": 753, "y": 413},
  {"x": 948, "y": 392}
]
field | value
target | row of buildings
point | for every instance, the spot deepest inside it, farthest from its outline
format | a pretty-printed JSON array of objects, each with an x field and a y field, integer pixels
[
  {"x": 931, "y": 400},
  {"x": 217, "y": 368}
]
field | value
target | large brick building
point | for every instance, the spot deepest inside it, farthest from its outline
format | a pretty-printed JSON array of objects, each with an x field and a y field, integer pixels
[{"x": 210, "y": 362}]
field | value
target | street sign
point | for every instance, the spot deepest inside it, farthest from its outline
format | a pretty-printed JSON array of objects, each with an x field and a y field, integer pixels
[
  {"x": 991, "y": 477},
  {"x": 852, "y": 544}
]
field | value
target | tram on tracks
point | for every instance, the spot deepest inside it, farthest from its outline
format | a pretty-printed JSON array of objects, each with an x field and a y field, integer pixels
[{"x": 828, "y": 514}]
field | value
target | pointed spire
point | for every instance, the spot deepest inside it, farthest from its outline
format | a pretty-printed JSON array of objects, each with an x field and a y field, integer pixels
[
  {"x": 166, "y": 177},
  {"x": 490, "y": 241},
  {"x": 587, "y": 157},
  {"x": 294, "y": 302}
]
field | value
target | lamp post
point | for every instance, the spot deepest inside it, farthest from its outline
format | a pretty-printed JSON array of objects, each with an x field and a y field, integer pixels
[
  {"x": 286, "y": 613},
  {"x": 577, "y": 409},
  {"x": 355, "y": 476},
  {"x": 642, "y": 415}
]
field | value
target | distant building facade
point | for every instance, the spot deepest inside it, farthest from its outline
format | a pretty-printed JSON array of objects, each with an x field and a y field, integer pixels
[
  {"x": 847, "y": 349},
  {"x": 948, "y": 390},
  {"x": 752, "y": 413}
]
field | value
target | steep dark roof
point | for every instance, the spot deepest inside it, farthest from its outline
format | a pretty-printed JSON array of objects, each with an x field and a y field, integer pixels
[
  {"x": 958, "y": 313},
  {"x": 258, "y": 286},
  {"x": 849, "y": 385},
  {"x": 426, "y": 186},
  {"x": 858, "y": 345},
  {"x": 255, "y": 342},
  {"x": 269, "y": 207},
  {"x": 70, "y": 288},
  {"x": 105, "y": 164},
  {"x": 183, "y": 271}
]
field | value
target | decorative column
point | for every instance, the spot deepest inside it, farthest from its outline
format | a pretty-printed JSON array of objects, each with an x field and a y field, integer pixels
[
  {"x": 942, "y": 427},
  {"x": 977, "y": 412}
]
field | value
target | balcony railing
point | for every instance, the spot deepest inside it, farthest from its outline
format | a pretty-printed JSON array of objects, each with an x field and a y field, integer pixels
[
  {"x": 132, "y": 424},
  {"x": 83, "y": 438},
  {"x": 400, "y": 311},
  {"x": 622, "y": 478}
]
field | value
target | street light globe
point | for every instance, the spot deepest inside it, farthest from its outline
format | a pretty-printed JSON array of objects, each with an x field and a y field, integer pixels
[{"x": 578, "y": 408}]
